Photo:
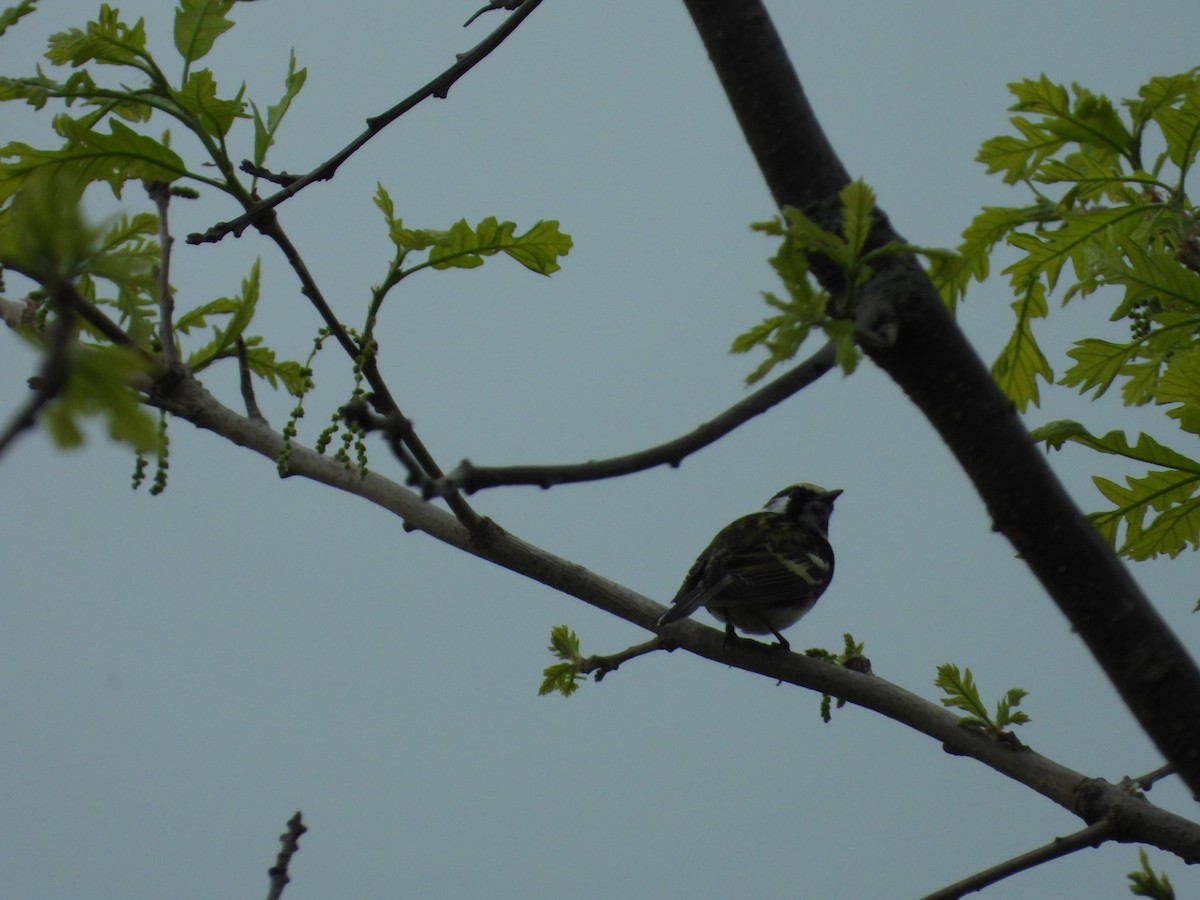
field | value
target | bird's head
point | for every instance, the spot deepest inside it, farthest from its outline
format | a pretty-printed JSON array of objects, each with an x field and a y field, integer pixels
[{"x": 806, "y": 504}]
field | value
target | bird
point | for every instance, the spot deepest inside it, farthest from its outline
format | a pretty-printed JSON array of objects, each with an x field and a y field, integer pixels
[{"x": 763, "y": 572}]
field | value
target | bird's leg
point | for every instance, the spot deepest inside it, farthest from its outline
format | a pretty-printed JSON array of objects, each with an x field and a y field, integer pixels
[
  {"x": 731, "y": 636},
  {"x": 783, "y": 642}
]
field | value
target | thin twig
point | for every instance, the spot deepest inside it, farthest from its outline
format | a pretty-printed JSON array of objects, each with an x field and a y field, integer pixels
[
  {"x": 291, "y": 844},
  {"x": 1092, "y": 836},
  {"x": 54, "y": 372},
  {"x": 426, "y": 469},
  {"x": 396, "y": 430},
  {"x": 160, "y": 193},
  {"x": 1148, "y": 780},
  {"x": 470, "y": 478},
  {"x": 247, "y": 385},
  {"x": 439, "y": 87},
  {"x": 492, "y": 7},
  {"x": 602, "y": 665}
]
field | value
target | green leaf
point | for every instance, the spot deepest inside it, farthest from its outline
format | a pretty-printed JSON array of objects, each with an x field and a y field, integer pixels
[
  {"x": 1180, "y": 126},
  {"x": 1097, "y": 364},
  {"x": 92, "y": 156},
  {"x": 1166, "y": 496},
  {"x": 12, "y": 14},
  {"x": 858, "y": 208},
  {"x": 242, "y": 312},
  {"x": 562, "y": 677},
  {"x": 43, "y": 234},
  {"x": 1022, "y": 362},
  {"x": 961, "y": 693},
  {"x": 98, "y": 384},
  {"x": 1048, "y": 251},
  {"x": 1145, "y": 882},
  {"x": 990, "y": 226},
  {"x": 1160, "y": 91},
  {"x": 198, "y": 24},
  {"x": 264, "y": 130},
  {"x": 199, "y": 97},
  {"x": 198, "y": 317},
  {"x": 1017, "y": 157},
  {"x": 1149, "y": 275},
  {"x": 1090, "y": 120},
  {"x": 295, "y": 378},
  {"x": 1005, "y": 715},
  {"x": 107, "y": 41},
  {"x": 128, "y": 257},
  {"x": 464, "y": 247},
  {"x": 1180, "y": 384}
]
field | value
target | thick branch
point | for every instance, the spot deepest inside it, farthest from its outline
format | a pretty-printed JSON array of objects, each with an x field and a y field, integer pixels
[
  {"x": 932, "y": 361},
  {"x": 470, "y": 478},
  {"x": 1135, "y": 819}
]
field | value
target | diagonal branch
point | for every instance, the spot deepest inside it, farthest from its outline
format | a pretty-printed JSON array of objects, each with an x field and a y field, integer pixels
[
  {"x": 941, "y": 373},
  {"x": 1092, "y": 836},
  {"x": 1134, "y": 818},
  {"x": 439, "y": 87},
  {"x": 470, "y": 478},
  {"x": 53, "y": 375},
  {"x": 426, "y": 468}
]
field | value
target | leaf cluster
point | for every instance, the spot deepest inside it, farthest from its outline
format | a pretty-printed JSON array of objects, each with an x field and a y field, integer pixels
[
  {"x": 565, "y": 676},
  {"x": 103, "y": 140},
  {"x": 851, "y": 654},
  {"x": 961, "y": 693},
  {"x": 806, "y": 307},
  {"x": 1145, "y": 882},
  {"x": 1109, "y": 225}
]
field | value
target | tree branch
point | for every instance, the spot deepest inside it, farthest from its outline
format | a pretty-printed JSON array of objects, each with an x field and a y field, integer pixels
[
  {"x": 933, "y": 362},
  {"x": 160, "y": 193},
  {"x": 426, "y": 469},
  {"x": 290, "y": 841},
  {"x": 53, "y": 374},
  {"x": 470, "y": 478},
  {"x": 439, "y": 87},
  {"x": 1092, "y": 836},
  {"x": 1134, "y": 818}
]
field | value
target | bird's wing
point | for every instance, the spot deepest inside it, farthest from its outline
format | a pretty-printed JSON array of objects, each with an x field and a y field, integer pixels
[
  {"x": 782, "y": 569},
  {"x": 709, "y": 574}
]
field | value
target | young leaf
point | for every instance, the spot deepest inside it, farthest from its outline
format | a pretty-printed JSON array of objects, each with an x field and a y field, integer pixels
[
  {"x": 858, "y": 208},
  {"x": 961, "y": 693},
  {"x": 1148, "y": 883},
  {"x": 89, "y": 156},
  {"x": 264, "y": 131},
  {"x": 108, "y": 41},
  {"x": 98, "y": 384},
  {"x": 199, "y": 97},
  {"x": 12, "y": 14},
  {"x": 1022, "y": 362},
  {"x": 242, "y": 309},
  {"x": 464, "y": 247},
  {"x": 198, "y": 24},
  {"x": 563, "y": 677}
]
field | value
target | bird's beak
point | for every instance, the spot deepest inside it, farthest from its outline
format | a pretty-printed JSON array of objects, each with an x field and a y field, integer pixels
[{"x": 829, "y": 496}]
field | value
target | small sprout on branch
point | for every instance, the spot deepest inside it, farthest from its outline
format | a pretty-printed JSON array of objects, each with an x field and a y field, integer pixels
[
  {"x": 563, "y": 677},
  {"x": 851, "y": 657},
  {"x": 962, "y": 694},
  {"x": 1148, "y": 883}
]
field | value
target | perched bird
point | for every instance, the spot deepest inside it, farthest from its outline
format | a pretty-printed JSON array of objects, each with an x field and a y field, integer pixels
[{"x": 764, "y": 571}]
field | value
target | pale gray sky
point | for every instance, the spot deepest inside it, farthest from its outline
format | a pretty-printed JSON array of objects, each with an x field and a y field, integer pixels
[{"x": 179, "y": 674}]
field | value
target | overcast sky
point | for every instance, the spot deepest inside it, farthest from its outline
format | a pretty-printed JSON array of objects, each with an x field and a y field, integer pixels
[{"x": 178, "y": 675}]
